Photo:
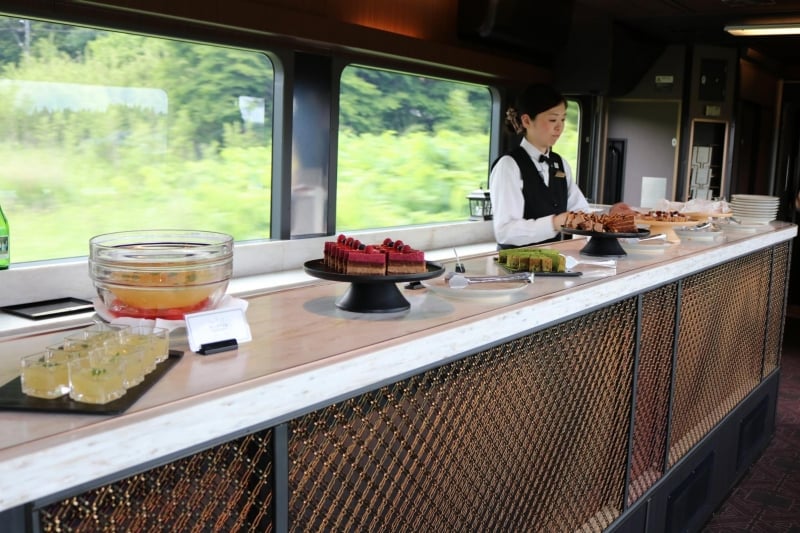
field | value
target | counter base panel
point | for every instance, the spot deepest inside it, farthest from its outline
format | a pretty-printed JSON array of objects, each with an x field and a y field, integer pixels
[
  {"x": 687, "y": 496},
  {"x": 226, "y": 488},
  {"x": 599, "y": 422}
]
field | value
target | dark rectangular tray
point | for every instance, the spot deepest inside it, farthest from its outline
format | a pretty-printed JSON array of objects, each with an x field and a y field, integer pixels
[
  {"x": 12, "y": 398},
  {"x": 50, "y": 308}
]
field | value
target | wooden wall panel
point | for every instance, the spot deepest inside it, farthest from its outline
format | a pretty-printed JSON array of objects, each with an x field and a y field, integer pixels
[{"x": 419, "y": 31}]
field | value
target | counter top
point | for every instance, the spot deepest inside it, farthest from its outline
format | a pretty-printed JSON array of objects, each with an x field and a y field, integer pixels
[{"x": 307, "y": 353}]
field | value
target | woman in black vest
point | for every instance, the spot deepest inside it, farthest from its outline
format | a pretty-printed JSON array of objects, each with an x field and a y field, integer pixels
[{"x": 532, "y": 187}]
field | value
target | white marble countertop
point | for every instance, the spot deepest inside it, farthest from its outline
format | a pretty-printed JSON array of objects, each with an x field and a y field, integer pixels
[{"x": 307, "y": 353}]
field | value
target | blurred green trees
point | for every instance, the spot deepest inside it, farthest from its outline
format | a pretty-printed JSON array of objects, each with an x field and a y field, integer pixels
[{"x": 103, "y": 131}]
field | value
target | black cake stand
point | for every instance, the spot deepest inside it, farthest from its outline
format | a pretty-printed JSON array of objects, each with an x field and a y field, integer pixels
[
  {"x": 371, "y": 294},
  {"x": 605, "y": 244}
]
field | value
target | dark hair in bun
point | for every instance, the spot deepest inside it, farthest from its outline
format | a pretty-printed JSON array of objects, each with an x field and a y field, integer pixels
[
  {"x": 537, "y": 98},
  {"x": 532, "y": 101}
]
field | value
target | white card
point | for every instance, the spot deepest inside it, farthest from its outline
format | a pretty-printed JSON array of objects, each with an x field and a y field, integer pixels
[{"x": 217, "y": 325}]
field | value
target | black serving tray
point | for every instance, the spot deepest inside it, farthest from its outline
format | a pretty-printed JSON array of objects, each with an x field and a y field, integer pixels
[
  {"x": 605, "y": 244},
  {"x": 49, "y": 308},
  {"x": 371, "y": 294},
  {"x": 12, "y": 398}
]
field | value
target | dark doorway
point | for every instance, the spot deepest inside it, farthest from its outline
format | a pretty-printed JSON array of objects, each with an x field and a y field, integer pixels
[
  {"x": 615, "y": 171},
  {"x": 788, "y": 181},
  {"x": 649, "y": 130},
  {"x": 746, "y": 175}
]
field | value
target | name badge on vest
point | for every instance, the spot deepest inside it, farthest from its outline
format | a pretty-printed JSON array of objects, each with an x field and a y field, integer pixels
[{"x": 558, "y": 172}]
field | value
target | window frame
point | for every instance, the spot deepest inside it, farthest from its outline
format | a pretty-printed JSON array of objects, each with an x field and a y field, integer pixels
[
  {"x": 39, "y": 280},
  {"x": 495, "y": 131}
]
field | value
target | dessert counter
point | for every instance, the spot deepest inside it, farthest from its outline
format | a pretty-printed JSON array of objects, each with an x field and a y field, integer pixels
[{"x": 619, "y": 398}]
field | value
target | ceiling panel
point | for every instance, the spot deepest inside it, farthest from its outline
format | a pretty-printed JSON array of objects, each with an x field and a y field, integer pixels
[{"x": 702, "y": 22}]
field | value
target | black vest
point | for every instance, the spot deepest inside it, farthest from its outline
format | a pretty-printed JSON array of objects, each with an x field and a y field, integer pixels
[{"x": 540, "y": 200}]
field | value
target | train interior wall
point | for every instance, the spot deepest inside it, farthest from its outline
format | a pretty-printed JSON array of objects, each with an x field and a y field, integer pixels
[{"x": 754, "y": 98}]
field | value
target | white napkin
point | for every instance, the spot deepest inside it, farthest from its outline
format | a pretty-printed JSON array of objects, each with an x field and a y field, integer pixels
[
  {"x": 695, "y": 205},
  {"x": 700, "y": 205}
]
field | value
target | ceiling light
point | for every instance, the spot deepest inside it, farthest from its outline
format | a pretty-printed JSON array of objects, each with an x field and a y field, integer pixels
[{"x": 750, "y": 30}]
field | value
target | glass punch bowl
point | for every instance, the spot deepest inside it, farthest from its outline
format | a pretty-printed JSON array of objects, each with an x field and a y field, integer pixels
[{"x": 160, "y": 273}]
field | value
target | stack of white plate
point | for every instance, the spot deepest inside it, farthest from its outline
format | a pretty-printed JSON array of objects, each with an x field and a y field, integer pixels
[{"x": 754, "y": 208}]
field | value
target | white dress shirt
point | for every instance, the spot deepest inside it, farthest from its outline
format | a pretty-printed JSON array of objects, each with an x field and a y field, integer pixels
[{"x": 508, "y": 203}]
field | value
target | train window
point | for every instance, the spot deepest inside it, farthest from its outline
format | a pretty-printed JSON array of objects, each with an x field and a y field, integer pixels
[
  {"x": 411, "y": 148},
  {"x": 569, "y": 144},
  {"x": 104, "y": 131}
]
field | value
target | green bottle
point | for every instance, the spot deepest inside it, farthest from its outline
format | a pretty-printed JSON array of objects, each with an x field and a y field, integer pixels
[{"x": 5, "y": 252}]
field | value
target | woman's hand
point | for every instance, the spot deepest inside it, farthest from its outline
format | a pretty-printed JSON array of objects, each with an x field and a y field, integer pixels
[{"x": 559, "y": 221}]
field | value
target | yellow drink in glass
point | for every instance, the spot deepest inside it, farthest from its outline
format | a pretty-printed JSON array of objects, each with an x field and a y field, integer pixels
[
  {"x": 154, "y": 340},
  {"x": 97, "y": 378},
  {"x": 76, "y": 345},
  {"x": 138, "y": 337},
  {"x": 57, "y": 353},
  {"x": 134, "y": 349},
  {"x": 108, "y": 334},
  {"x": 43, "y": 376},
  {"x": 160, "y": 344}
]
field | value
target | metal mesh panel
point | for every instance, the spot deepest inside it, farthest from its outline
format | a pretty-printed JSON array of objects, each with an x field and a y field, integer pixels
[
  {"x": 721, "y": 345},
  {"x": 530, "y": 435},
  {"x": 226, "y": 488},
  {"x": 654, "y": 375},
  {"x": 777, "y": 304}
]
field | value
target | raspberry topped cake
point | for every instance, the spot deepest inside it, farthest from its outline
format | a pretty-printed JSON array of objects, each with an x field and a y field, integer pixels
[
  {"x": 350, "y": 256},
  {"x": 335, "y": 252},
  {"x": 403, "y": 259},
  {"x": 366, "y": 260}
]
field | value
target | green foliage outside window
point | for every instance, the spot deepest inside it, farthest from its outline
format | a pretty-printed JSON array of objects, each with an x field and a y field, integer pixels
[
  {"x": 412, "y": 148},
  {"x": 103, "y": 131}
]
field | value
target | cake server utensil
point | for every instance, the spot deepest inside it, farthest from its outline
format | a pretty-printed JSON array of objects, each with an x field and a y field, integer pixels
[
  {"x": 459, "y": 264},
  {"x": 572, "y": 262},
  {"x": 653, "y": 237},
  {"x": 459, "y": 281}
]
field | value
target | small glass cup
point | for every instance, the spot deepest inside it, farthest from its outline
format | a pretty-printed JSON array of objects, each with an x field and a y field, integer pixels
[
  {"x": 56, "y": 351},
  {"x": 44, "y": 376},
  {"x": 97, "y": 336},
  {"x": 97, "y": 377},
  {"x": 136, "y": 359},
  {"x": 107, "y": 333},
  {"x": 160, "y": 346},
  {"x": 77, "y": 345},
  {"x": 154, "y": 340}
]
